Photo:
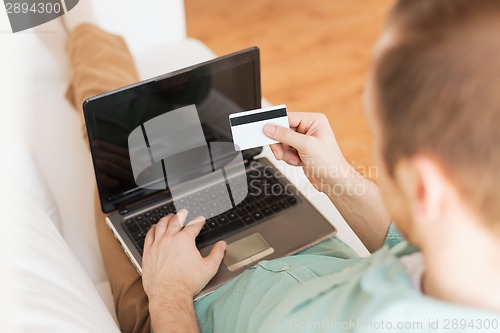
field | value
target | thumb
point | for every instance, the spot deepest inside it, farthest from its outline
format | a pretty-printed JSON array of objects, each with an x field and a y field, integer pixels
[
  {"x": 285, "y": 135},
  {"x": 214, "y": 258}
]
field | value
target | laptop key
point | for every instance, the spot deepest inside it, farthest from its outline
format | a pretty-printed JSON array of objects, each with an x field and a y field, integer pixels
[
  {"x": 131, "y": 226},
  {"x": 271, "y": 200},
  {"x": 222, "y": 220},
  {"x": 222, "y": 230},
  {"x": 248, "y": 219},
  {"x": 204, "y": 229},
  {"x": 167, "y": 209},
  {"x": 292, "y": 200},
  {"x": 144, "y": 224},
  {"x": 232, "y": 216},
  {"x": 284, "y": 204},
  {"x": 259, "y": 204},
  {"x": 212, "y": 223},
  {"x": 241, "y": 212},
  {"x": 267, "y": 211},
  {"x": 251, "y": 208},
  {"x": 139, "y": 235},
  {"x": 275, "y": 208},
  {"x": 257, "y": 216}
]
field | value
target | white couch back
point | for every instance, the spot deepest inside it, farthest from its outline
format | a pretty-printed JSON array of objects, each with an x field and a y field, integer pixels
[
  {"x": 33, "y": 110},
  {"x": 143, "y": 23}
]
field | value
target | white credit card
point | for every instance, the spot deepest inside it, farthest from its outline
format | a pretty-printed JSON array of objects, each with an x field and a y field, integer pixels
[{"x": 248, "y": 127}]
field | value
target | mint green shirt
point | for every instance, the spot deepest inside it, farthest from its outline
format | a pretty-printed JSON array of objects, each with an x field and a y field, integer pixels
[{"x": 328, "y": 288}]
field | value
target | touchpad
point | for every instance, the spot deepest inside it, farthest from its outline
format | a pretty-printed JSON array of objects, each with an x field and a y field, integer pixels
[{"x": 246, "y": 251}]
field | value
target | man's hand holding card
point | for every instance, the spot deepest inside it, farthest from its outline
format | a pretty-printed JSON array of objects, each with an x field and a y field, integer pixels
[{"x": 248, "y": 127}]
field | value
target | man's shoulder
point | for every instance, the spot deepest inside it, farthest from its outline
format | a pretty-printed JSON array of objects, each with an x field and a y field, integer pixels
[{"x": 372, "y": 291}]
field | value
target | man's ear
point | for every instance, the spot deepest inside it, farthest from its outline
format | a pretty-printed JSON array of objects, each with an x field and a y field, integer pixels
[{"x": 423, "y": 184}]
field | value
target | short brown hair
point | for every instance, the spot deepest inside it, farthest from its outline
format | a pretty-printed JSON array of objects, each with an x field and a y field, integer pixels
[{"x": 438, "y": 93}]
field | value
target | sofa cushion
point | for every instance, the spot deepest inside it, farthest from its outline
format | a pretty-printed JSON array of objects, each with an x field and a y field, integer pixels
[
  {"x": 28, "y": 175},
  {"x": 51, "y": 290}
]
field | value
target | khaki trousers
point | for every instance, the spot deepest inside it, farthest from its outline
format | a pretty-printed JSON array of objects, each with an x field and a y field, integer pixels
[{"x": 101, "y": 62}]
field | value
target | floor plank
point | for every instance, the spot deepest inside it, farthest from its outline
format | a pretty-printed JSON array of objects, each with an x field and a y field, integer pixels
[{"x": 315, "y": 54}]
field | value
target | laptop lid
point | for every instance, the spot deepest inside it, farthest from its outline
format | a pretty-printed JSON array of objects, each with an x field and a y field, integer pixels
[{"x": 214, "y": 89}]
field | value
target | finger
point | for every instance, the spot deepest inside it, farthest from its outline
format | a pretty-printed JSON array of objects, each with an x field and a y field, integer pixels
[
  {"x": 214, "y": 258},
  {"x": 194, "y": 227},
  {"x": 291, "y": 157},
  {"x": 302, "y": 120},
  {"x": 296, "y": 118},
  {"x": 285, "y": 135},
  {"x": 150, "y": 237},
  {"x": 294, "y": 151},
  {"x": 277, "y": 149},
  {"x": 161, "y": 226},
  {"x": 177, "y": 221}
]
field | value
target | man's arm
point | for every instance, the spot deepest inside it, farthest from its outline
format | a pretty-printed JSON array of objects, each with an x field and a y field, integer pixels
[
  {"x": 310, "y": 143},
  {"x": 173, "y": 272},
  {"x": 174, "y": 313},
  {"x": 360, "y": 203}
]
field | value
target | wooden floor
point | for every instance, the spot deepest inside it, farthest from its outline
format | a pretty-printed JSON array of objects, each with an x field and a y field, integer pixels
[{"x": 315, "y": 54}]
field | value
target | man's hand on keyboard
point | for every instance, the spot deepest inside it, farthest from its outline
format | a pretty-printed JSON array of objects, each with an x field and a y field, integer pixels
[{"x": 172, "y": 266}]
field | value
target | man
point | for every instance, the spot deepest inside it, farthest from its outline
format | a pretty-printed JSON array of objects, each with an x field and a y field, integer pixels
[{"x": 433, "y": 106}]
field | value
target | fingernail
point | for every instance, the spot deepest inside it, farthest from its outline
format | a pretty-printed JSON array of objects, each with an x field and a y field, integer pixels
[
  {"x": 269, "y": 129},
  {"x": 198, "y": 220},
  {"x": 181, "y": 216}
]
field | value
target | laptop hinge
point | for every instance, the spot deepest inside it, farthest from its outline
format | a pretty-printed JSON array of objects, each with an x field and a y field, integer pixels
[{"x": 122, "y": 210}]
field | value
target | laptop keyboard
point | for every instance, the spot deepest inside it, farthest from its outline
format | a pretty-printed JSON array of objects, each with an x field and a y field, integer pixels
[{"x": 266, "y": 197}]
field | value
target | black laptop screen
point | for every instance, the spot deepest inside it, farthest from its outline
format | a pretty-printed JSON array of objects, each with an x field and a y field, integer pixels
[{"x": 216, "y": 88}]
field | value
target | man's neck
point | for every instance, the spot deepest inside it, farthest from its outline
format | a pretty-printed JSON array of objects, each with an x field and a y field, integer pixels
[{"x": 464, "y": 267}]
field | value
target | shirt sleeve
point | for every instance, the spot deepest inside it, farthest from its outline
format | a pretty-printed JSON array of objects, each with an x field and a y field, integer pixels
[{"x": 393, "y": 237}]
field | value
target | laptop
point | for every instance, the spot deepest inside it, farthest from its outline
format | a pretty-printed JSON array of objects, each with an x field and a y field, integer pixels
[{"x": 165, "y": 143}]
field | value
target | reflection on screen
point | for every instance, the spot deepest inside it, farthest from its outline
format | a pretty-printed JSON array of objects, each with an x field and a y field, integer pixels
[{"x": 215, "y": 94}]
